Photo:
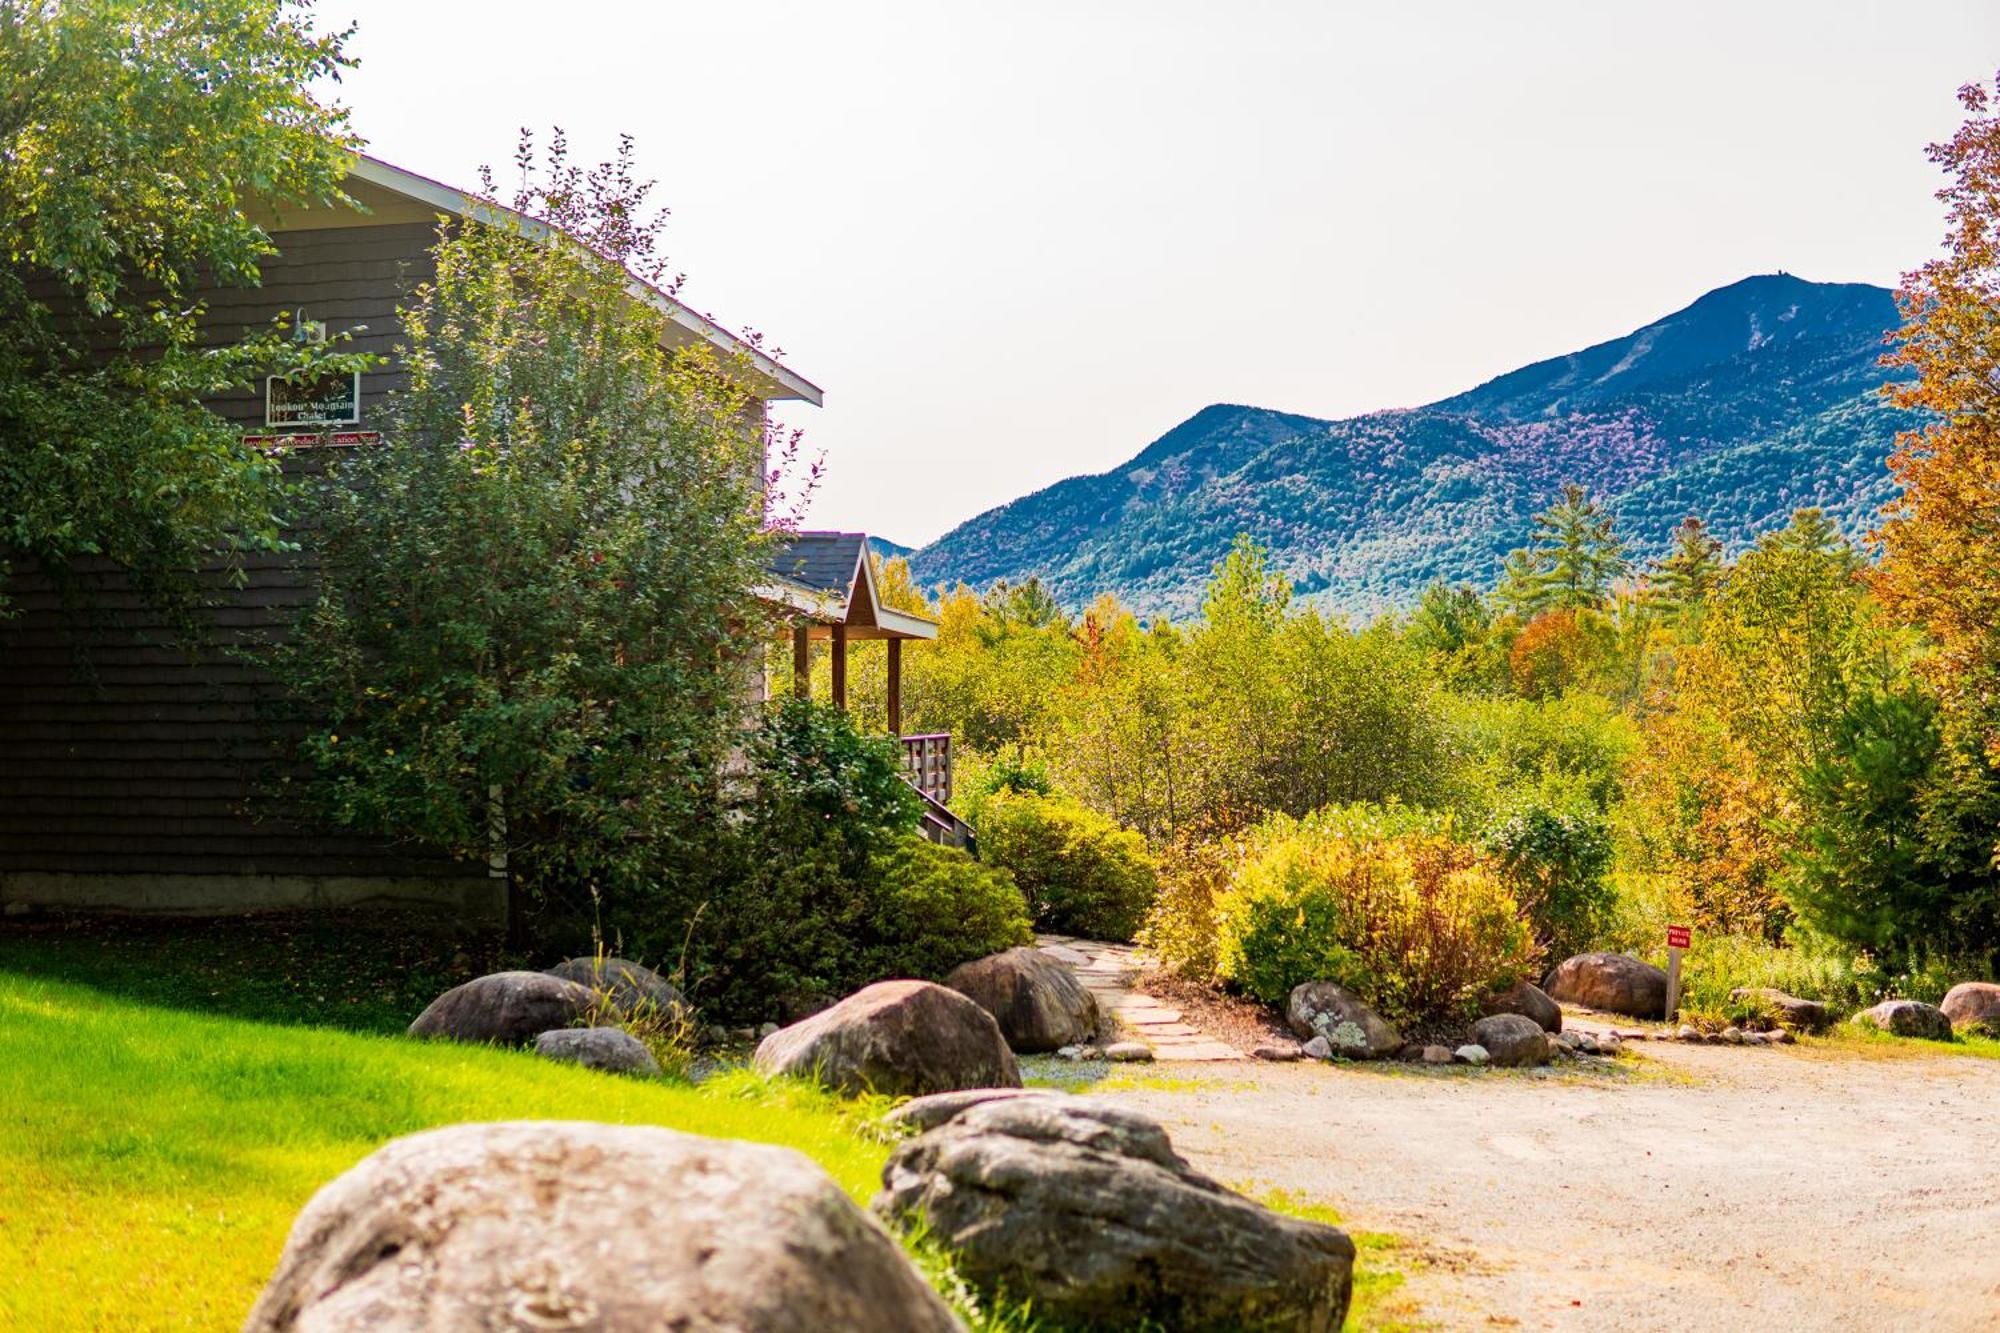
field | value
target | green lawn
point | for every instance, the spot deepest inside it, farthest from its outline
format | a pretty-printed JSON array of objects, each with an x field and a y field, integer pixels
[
  {"x": 172, "y": 1094},
  {"x": 152, "y": 1160}
]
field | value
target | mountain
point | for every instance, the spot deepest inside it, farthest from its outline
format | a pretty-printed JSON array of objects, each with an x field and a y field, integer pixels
[
  {"x": 885, "y": 549},
  {"x": 1758, "y": 399}
]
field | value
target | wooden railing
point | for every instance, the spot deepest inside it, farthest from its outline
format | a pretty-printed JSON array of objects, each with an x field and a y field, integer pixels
[{"x": 927, "y": 765}]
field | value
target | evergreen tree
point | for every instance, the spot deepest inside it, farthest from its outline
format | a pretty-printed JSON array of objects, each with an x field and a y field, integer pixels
[
  {"x": 1573, "y": 558},
  {"x": 1813, "y": 532},
  {"x": 1689, "y": 572}
]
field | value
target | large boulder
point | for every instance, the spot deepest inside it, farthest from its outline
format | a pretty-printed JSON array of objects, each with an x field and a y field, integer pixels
[
  {"x": 633, "y": 989},
  {"x": 510, "y": 1008},
  {"x": 895, "y": 1037},
  {"x": 1907, "y": 1018},
  {"x": 613, "y": 1050},
  {"x": 1795, "y": 1013},
  {"x": 1514, "y": 1041},
  {"x": 612, "y": 1228},
  {"x": 1038, "y": 1002},
  {"x": 1528, "y": 1000},
  {"x": 1613, "y": 982},
  {"x": 1350, "y": 1027},
  {"x": 1975, "y": 1005},
  {"x": 1083, "y": 1209}
]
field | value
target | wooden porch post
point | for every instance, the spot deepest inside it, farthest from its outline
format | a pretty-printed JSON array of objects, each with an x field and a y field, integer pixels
[
  {"x": 839, "y": 647},
  {"x": 802, "y": 677},
  {"x": 895, "y": 687}
]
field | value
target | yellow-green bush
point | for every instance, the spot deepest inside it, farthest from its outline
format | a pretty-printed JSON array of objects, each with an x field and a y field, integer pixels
[
  {"x": 1081, "y": 873},
  {"x": 1195, "y": 870},
  {"x": 1413, "y": 921}
]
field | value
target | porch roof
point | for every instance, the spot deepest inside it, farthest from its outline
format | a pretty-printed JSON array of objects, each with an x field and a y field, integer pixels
[{"x": 829, "y": 580}]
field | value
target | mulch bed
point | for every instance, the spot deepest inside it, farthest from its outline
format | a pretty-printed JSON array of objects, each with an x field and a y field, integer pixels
[
  {"x": 1242, "y": 1023},
  {"x": 1247, "y": 1024}
]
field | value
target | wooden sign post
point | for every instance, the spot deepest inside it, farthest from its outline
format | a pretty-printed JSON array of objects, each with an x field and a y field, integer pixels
[{"x": 1677, "y": 940}]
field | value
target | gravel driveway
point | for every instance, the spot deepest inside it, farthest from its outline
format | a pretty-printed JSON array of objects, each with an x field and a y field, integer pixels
[{"x": 1712, "y": 1188}]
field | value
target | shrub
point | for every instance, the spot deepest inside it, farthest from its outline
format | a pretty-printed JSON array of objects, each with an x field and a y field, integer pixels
[
  {"x": 1555, "y": 857},
  {"x": 1195, "y": 870},
  {"x": 1418, "y": 924},
  {"x": 821, "y": 886},
  {"x": 932, "y": 908},
  {"x": 1081, "y": 873}
]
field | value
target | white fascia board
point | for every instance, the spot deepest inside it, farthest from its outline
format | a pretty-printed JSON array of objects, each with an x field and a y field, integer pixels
[
  {"x": 457, "y": 203},
  {"x": 902, "y": 622}
]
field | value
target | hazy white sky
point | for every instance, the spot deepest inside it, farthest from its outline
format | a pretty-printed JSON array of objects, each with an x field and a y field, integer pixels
[{"x": 1017, "y": 241}]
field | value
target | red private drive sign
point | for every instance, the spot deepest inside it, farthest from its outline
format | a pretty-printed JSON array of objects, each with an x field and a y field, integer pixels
[{"x": 1677, "y": 939}]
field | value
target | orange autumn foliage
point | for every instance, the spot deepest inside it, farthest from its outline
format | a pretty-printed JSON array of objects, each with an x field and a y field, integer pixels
[{"x": 1941, "y": 566}]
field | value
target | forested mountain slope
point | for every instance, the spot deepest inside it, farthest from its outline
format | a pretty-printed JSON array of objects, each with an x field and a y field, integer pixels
[{"x": 1757, "y": 399}]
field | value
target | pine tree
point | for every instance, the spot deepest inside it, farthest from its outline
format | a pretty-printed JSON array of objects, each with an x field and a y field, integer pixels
[
  {"x": 1689, "y": 572},
  {"x": 1572, "y": 560}
]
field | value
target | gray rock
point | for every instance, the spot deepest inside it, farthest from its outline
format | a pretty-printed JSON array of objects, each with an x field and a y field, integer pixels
[
  {"x": 1437, "y": 1055},
  {"x": 1530, "y": 1001},
  {"x": 1350, "y": 1026},
  {"x": 1586, "y": 1043},
  {"x": 611, "y": 1228},
  {"x": 921, "y": 1113},
  {"x": 633, "y": 989},
  {"x": 509, "y": 1008},
  {"x": 1079, "y": 1053},
  {"x": 1793, "y": 1012},
  {"x": 1907, "y": 1018},
  {"x": 765, "y": 1029},
  {"x": 895, "y": 1037},
  {"x": 613, "y": 1050},
  {"x": 1471, "y": 1055},
  {"x": 1609, "y": 1044},
  {"x": 1038, "y": 1002},
  {"x": 1319, "y": 1048},
  {"x": 1688, "y": 1033},
  {"x": 1278, "y": 1053},
  {"x": 1083, "y": 1209},
  {"x": 1512, "y": 1041},
  {"x": 1733, "y": 1035},
  {"x": 1974, "y": 1005},
  {"x": 1782, "y": 1037},
  {"x": 1129, "y": 1052},
  {"x": 1613, "y": 982}
]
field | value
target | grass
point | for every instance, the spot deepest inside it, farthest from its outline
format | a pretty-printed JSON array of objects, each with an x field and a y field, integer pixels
[
  {"x": 153, "y": 1159},
  {"x": 171, "y": 1094},
  {"x": 1382, "y": 1264},
  {"x": 348, "y": 971},
  {"x": 1857, "y": 1039}
]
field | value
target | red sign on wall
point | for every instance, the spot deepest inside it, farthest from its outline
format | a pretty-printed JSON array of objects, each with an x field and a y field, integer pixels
[
  {"x": 1677, "y": 937},
  {"x": 337, "y": 439}
]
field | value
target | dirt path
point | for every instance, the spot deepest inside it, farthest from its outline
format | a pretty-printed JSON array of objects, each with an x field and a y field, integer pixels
[{"x": 1715, "y": 1188}]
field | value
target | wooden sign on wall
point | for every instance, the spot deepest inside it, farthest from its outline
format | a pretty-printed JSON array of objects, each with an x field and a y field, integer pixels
[{"x": 329, "y": 400}]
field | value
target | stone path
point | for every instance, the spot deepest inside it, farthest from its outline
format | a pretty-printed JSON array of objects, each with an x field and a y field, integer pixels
[{"x": 1109, "y": 971}]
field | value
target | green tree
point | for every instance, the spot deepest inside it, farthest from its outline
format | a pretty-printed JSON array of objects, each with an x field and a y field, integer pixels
[
  {"x": 138, "y": 141},
  {"x": 1811, "y": 530},
  {"x": 1573, "y": 559},
  {"x": 1690, "y": 571},
  {"x": 538, "y": 598},
  {"x": 1452, "y": 628}
]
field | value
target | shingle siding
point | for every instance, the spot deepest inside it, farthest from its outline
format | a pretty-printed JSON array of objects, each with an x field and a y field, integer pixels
[{"x": 137, "y": 784}]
